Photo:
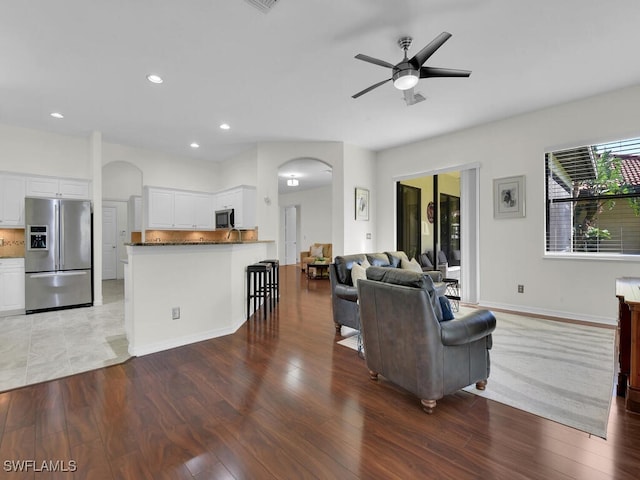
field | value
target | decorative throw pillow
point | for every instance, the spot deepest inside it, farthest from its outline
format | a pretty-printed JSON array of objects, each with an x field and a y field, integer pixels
[
  {"x": 408, "y": 278},
  {"x": 316, "y": 251},
  {"x": 424, "y": 259},
  {"x": 410, "y": 265},
  {"x": 365, "y": 264},
  {"x": 357, "y": 272},
  {"x": 378, "y": 259},
  {"x": 447, "y": 311},
  {"x": 396, "y": 257}
]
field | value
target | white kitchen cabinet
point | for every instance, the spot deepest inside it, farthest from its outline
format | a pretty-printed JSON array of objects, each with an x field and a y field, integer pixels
[
  {"x": 159, "y": 204},
  {"x": 243, "y": 201},
  {"x": 11, "y": 284},
  {"x": 204, "y": 217},
  {"x": 74, "y": 189},
  {"x": 12, "y": 193},
  {"x": 57, "y": 187},
  {"x": 134, "y": 212},
  {"x": 178, "y": 210},
  {"x": 184, "y": 210},
  {"x": 224, "y": 200}
]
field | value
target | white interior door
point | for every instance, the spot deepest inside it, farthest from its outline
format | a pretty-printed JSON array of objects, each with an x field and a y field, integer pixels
[
  {"x": 290, "y": 235},
  {"x": 109, "y": 243}
]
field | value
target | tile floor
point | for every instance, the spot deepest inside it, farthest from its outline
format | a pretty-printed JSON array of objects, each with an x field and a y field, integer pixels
[{"x": 43, "y": 346}]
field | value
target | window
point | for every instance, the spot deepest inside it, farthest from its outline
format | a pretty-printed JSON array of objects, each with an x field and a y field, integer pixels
[{"x": 593, "y": 199}]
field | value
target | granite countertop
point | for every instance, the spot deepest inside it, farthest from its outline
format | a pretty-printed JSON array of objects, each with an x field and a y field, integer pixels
[{"x": 212, "y": 242}]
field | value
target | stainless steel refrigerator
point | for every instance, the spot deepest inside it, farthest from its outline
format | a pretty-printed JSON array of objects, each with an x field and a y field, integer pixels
[{"x": 58, "y": 254}]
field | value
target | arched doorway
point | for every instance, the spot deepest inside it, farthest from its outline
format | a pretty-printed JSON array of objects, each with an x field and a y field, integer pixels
[{"x": 305, "y": 201}]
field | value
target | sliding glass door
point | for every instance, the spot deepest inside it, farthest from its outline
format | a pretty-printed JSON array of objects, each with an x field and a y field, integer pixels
[{"x": 408, "y": 225}]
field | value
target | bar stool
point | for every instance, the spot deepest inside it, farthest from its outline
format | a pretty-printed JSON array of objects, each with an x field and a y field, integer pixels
[
  {"x": 274, "y": 284},
  {"x": 258, "y": 279}
]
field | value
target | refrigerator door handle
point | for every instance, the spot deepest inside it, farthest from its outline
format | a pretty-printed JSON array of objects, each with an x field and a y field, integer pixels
[
  {"x": 59, "y": 274},
  {"x": 61, "y": 245}
]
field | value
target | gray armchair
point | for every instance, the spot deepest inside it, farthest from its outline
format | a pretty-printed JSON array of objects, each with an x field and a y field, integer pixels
[
  {"x": 405, "y": 342},
  {"x": 344, "y": 295}
]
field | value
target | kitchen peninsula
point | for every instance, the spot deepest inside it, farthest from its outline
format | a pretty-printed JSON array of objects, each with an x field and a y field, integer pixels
[{"x": 202, "y": 283}]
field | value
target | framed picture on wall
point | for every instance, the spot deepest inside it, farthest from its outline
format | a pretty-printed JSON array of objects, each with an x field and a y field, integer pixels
[
  {"x": 509, "y": 197},
  {"x": 362, "y": 204}
]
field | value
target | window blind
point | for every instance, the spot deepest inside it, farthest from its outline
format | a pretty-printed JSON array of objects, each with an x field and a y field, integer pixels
[{"x": 593, "y": 198}]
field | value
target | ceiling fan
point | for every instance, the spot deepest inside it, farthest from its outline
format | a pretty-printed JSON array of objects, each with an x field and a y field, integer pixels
[{"x": 405, "y": 75}]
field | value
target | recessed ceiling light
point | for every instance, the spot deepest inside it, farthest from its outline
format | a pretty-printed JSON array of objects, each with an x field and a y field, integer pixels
[
  {"x": 154, "y": 78},
  {"x": 225, "y": 126},
  {"x": 195, "y": 145},
  {"x": 57, "y": 115}
]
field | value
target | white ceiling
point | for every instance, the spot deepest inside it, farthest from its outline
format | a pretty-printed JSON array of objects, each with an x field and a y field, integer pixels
[{"x": 288, "y": 75}]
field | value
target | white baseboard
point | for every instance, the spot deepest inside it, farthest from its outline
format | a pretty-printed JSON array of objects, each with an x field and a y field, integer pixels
[
  {"x": 549, "y": 313},
  {"x": 141, "y": 350}
]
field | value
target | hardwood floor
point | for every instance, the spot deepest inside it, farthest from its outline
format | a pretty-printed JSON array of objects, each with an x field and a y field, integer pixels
[{"x": 280, "y": 399}]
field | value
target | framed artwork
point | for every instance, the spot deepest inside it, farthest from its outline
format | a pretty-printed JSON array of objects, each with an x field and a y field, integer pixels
[
  {"x": 362, "y": 204},
  {"x": 431, "y": 212},
  {"x": 509, "y": 197}
]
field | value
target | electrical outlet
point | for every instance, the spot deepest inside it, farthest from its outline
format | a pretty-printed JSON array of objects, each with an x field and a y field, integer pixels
[
  {"x": 368, "y": 236},
  {"x": 175, "y": 313},
  {"x": 520, "y": 288}
]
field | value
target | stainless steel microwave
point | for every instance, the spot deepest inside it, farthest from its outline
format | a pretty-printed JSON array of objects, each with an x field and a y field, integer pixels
[{"x": 225, "y": 218}]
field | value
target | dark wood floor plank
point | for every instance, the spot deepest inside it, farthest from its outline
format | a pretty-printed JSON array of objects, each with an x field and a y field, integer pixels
[
  {"x": 91, "y": 460},
  {"x": 22, "y": 408},
  {"x": 5, "y": 400},
  {"x": 53, "y": 457},
  {"x": 50, "y": 409},
  {"x": 17, "y": 446},
  {"x": 280, "y": 399},
  {"x": 235, "y": 457}
]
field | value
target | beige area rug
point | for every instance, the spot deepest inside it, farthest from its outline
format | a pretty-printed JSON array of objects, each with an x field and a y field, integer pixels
[
  {"x": 560, "y": 371},
  {"x": 351, "y": 338}
]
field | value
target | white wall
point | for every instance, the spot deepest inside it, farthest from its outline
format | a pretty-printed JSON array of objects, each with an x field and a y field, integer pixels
[
  {"x": 206, "y": 282},
  {"x": 162, "y": 170},
  {"x": 511, "y": 250},
  {"x": 359, "y": 171},
  {"x": 315, "y": 216},
  {"x": 242, "y": 169},
  {"x": 120, "y": 180},
  {"x": 36, "y": 152},
  {"x": 270, "y": 156}
]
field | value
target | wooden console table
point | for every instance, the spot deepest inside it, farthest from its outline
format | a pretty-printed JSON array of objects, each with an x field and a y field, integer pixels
[{"x": 628, "y": 293}]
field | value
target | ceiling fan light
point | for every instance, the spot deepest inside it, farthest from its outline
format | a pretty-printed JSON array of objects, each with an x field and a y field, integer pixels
[
  {"x": 153, "y": 78},
  {"x": 405, "y": 79}
]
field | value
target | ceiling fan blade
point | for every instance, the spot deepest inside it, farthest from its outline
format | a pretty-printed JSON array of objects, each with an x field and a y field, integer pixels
[
  {"x": 411, "y": 97},
  {"x": 419, "y": 58},
  {"x": 375, "y": 61},
  {"x": 429, "y": 72},
  {"x": 366, "y": 90}
]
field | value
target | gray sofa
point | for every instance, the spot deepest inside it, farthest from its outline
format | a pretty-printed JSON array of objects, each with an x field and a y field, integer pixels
[
  {"x": 407, "y": 342},
  {"x": 344, "y": 295}
]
